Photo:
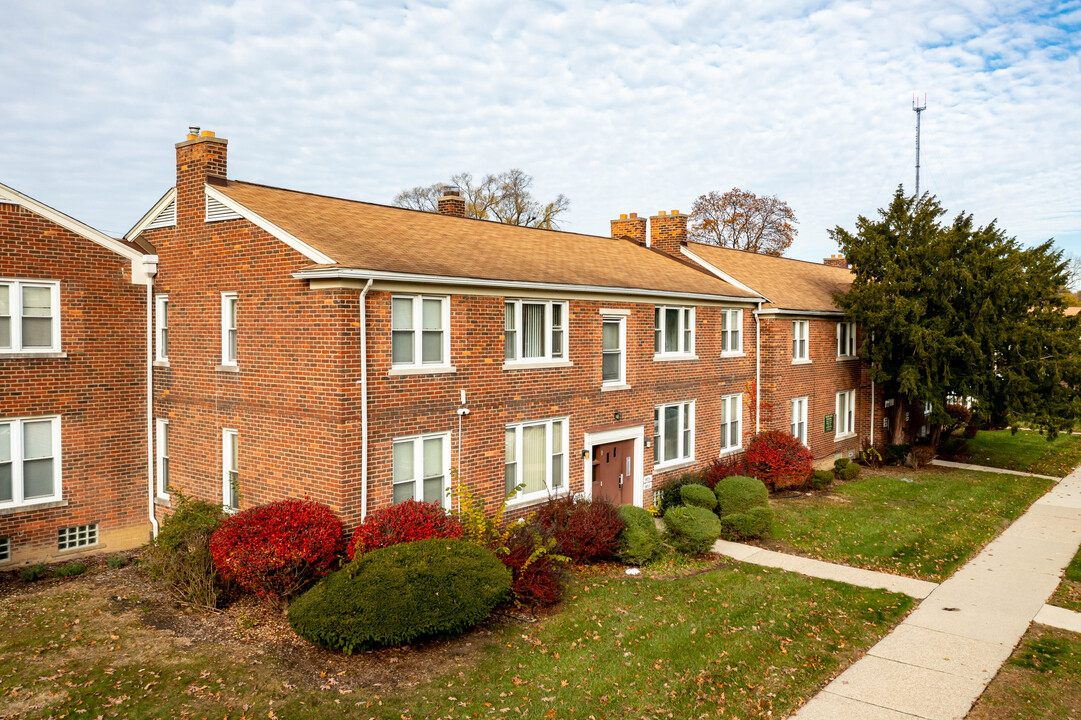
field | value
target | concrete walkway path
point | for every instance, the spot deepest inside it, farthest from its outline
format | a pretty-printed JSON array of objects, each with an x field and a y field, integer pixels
[
  {"x": 912, "y": 587},
  {"x": 938, "y": 661},
  {"x": 985, "y": 468}
]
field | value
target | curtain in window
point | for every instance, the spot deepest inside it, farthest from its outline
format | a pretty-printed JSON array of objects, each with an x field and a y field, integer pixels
[
  {"x": 6, "y": 490},
  {"x": 671, "y": 432},
  {"x": 534, "y": 458},
  {"x": 234, "y": 471},
  {"x": 610, "y": 351},
  {"x": 532, "y": 330},
  {"x": 433, "y": 471},
  {"x": 403, "y": 471},
  {"x": 432, "y": 334},
  {"x": 37, "y": 459},
  {"x": 5, "y": 316},
  {"x": 510, "y": 467},
  {"x": 401, "y": 324},
  {"x": 37, "y": 317}
]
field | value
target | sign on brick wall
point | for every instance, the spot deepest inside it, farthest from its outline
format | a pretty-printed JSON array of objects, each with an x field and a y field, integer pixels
[{"x": 829, "y": 423}]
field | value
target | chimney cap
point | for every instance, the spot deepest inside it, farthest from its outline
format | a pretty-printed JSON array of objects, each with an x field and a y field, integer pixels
[
  {"x": 193, "y": 129},
  {"x": 452, "y": 191},
  {"x": 623, "y": 216},
  {"x": 634, "y": 215}
]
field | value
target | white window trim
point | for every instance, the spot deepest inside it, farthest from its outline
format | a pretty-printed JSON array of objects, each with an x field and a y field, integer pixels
[
  {"x": 848, "y": 432},
  {"x": 226, "y": 298},
  {"x": 726, "y": 401},
  {"x": 161, "y": 302},
  {"x": 524, "y": 498},
  {"x": 418, "y": 366},
  {"x": 683, "y": 353},
  {"x": 805, "y": 358},
  {"x": 549, "y": 359},
  {"x": 727, "y": 313},
  {"x": 17, "y": 486},
  {"x": 226, "y": 487},
  {"x": 15, "y": 299},
  {"x": 621, "y": 381},
  {"x": 798, "y": 414},
  {"x": 684, "y": 455},
  {"x": 418, "y": 464},
  {"x": 849, "y": 352},
  {"x": 160, "y": 430}
]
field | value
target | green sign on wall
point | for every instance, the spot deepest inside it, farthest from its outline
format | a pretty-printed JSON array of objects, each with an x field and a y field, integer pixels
[{"x": 829, "y": 423}]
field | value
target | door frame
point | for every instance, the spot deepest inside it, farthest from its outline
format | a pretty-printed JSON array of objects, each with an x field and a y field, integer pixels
[{"x": 638, "y": 435}]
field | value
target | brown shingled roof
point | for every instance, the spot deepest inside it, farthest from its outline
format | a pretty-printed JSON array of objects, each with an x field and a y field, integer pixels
[
  {"x": 788, "y": 284},
  {"x": 392, "y": 239}
]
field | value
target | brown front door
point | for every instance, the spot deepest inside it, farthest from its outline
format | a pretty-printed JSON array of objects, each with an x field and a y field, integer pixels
[{"x": 613, "y": 472}]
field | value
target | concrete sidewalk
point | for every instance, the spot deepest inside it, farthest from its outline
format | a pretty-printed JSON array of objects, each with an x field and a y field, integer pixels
[
  {"x": 985, "y": 468},
  {"x": 938, "y": 661}
]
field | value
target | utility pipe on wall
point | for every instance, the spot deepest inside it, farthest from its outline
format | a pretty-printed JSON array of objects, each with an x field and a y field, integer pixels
[
  {"x": 757, "y": 368},
  {"x": 364, "y": 402},
  {"x": 150, "y": 267}
]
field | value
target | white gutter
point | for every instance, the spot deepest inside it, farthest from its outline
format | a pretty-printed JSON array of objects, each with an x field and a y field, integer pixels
[
  {"x": 781, "y": 311},
  {"x": 757, "y": 369},
  {"x": 150, "y": 269},
  {"x": 360, "y": 274},
  {"x": 364, "y": 403}
]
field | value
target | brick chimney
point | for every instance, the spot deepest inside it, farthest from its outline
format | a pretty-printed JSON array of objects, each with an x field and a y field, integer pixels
[
  {"x": 836, "y": 261},
  {"x": 452, "y": 203},
  {"x": 668, "y": 231},
  {"x": 200, "y": 159},
  {"x": 632, "y": 227}
]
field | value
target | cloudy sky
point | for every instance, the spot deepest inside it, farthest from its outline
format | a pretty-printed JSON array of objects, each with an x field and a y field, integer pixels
[{"x": 623, "y": 107}]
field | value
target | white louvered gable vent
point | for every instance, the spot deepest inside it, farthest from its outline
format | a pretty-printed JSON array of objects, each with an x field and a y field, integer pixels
[
  {"x": 216, "y": 210},
  {"x": 166, "y": 218}
]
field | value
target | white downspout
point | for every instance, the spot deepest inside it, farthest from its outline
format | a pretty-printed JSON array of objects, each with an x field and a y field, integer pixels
[
  {"x": 757, "y": 369},
  {"x": 364, "y": 402},
  {"x": 150, "y": 267},
  {"x": 872, "y": 399}
]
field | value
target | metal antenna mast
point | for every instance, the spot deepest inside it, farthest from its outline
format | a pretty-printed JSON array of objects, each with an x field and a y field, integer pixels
[{"x": 918, "y": 109}]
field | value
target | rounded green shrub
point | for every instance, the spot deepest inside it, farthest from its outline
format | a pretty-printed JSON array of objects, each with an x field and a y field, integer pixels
[
  {"x": 672, "y": 495},
  {"x": 400, "y": 594},
  {"x": 821, "y": 479},
  {"x": 840, "y": 464},
  {"x": 739, "y": 494},
  {"x": 755, "y": 523},
  {"x": 698, "y": 496},
  {"x": 691, "y": 530},
  {"x": 639, "y": 542},
  {"x": 849, "y": 472}
]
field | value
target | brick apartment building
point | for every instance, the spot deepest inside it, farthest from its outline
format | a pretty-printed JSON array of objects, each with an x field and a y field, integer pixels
[{"x": 73, "y": 385}]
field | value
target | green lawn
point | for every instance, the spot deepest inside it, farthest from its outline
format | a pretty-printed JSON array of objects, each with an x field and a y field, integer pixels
[
  {"x": 1026, "y": 451},
  {"x": 926, "y": 528},
  {"x": 1040, "y": 681},
  {"x": 735, "y": 641},
  {"x": 1068, "y": 594}
]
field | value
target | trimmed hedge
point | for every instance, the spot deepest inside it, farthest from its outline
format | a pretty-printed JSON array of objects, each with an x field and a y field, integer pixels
[
  {"x": 743, "y": 506},
  {"x": 640, "y": 540},
  {"x": 691, "y": 530},
  {"x": 672, "y": 494},
  {"x": 821, "y": 479},
  {"x": 279, "y": 549},
  {"x": 849, "y": 472},
  {"x": 755, "y": 523},
  {"x": 401, "y": 594},
  {"x": 698, "y": 496}
]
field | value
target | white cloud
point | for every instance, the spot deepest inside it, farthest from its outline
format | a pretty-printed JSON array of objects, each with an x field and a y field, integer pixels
[{"x": 622, "y": 106}]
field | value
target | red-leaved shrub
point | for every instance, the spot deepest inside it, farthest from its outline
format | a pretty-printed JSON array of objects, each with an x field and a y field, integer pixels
[
  {"x": 778, "y": 459},
  {"x": 537, "y": 574},
  {"x": 277, "y": 550},
  {"x": 407, "y": 521},
  {"x": 720, "y": 469},
  {"x": 585, "y": 530}
]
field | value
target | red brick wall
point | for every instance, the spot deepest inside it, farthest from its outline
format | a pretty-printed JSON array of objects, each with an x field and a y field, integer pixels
[
  {"x": 98, "y": 389},
  {"x": 820, "y": 381}
]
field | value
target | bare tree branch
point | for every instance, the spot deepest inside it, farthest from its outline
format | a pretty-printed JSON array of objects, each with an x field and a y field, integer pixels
[{"x": 744, "y": 221}]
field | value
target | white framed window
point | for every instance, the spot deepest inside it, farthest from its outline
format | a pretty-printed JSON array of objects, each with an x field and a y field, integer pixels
[
  {"x": 29, "y": 316},
  {"x": 77, "y": 536},
  {"x": 161, "y": 327},
  {"x": 846, "y": 413},
  {"x": 846, "y": 339},
  {"x": 799, "y": 419},
  {"x": 29, "y": 461},
  {"x": 161, "y": 432},
  {"x": 535, "y": 458},
  {"x": 731, "y": 423},
  {"x": 613, "y": 351},
  {"x": 731, "y": 332},
  {"x": 800, "y": 330},
  {"x": 228, "y": 328},
  {"x": 421, "y": 468},
  {"x": 673, "y": 333},
  {"x": 534, "y": 331},
  {"x": 673, "y": 433},
  {"x": 420, "y": 331},
  {"x": 230, "y": 470}
]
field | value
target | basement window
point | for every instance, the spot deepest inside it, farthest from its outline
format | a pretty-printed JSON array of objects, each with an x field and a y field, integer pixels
[
  {"x": 5, "y": 549},
  {"x": 77, "y": 536}
]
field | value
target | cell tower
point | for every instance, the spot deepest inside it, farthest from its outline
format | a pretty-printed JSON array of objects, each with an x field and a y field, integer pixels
[{"x": 918, "y": 109}]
